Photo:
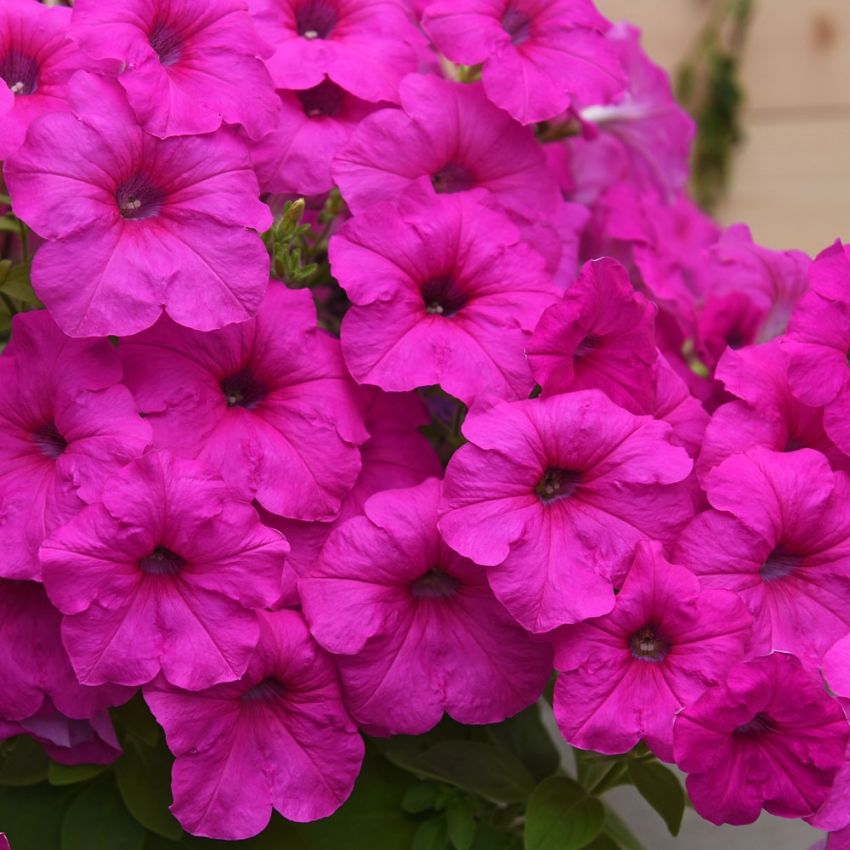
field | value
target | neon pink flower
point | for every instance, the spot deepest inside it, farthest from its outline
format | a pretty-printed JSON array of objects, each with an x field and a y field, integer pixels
[
  {"x": 625, "y": 675},
  {"x": 417, "y": 629},
  {"x": 818, "y": 341},
  {"x": 674, "y": 404},
  {"x": 767, "y": 413},
  {"x": 36, "y": 60},
  {"x": 653, "y": 133},
  {"x": 364, "y": 46},
  {"x": 779, "y": 535},
  {"x": 555, "y": 493},
  {"x": 396, "y": 455},
  {"x": 144, "y": 223},
  {"x": 38, "y": 680},
  {"x": 278, "y": 738},
  {"x": 315, "y": 124},
  {"x": 443, "y": 293},
  {"x": 169, "y": 551},
  {"x": 770, "y": 737},
  {"x": 539, "y": 56},
  {"x": 268, "y": 403},
  {"x": 450, "y": 139},
  {"x": 601, "y": 336},
  {"x": 68, "y": 425},
  {"x": 186, "y": 67}
]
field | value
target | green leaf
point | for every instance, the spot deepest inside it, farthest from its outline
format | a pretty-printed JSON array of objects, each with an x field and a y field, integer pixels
[
  {"x": 98, "y": 820},
  {"x": 615, "y": 827},
  {"x": 480, "y": 768},
  {"x": 603, "y": 842},
  {"x": 460, "y": 823},
  {"x": 430, "y": 835},
  {"x": 134, "y": 718},
  {"x": 561, "y": 816},
  {"x": 32, "y": 817},
  {"x": 420, "y": 798},
  {"x": 371, "y": 819},
  {"x": 526, "y": 737},
  {"x": 22, "y": 762},
  {"x": 64, "y": 774},
  {"x": 488, "y": 837},
  {"x": 144, "y": 780},
  {"x": 660, "y": 787},
  {"x": 17, "y": 285}
]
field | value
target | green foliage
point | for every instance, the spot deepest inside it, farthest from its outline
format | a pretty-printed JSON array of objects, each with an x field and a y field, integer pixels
[
  {"x": 22, "y": 762},
  {"x": 660, "y": 787},
  {"x": 98, "y": 820},
  {"x": 561, "y": 816}
]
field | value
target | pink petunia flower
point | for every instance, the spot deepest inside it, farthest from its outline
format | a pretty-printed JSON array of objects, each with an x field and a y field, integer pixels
[
  {"x": 416, "y": 628},
  {"x": 554, "y": 494},
  {"x": 38, "y": 681},
  {"x": 168, "y": 553},
  {"x": 443, "y": 293},
  {"x": 539, "y": 56},
  {"x": 268, "y": 403},
  {"x": 186, "y": 66},
  {"x": 68, "y": 425},
  {"x": 600, "y": 336},
  {"x": 765, "y": 413},
  {"x": 675, "y": 404},
  {"x": 364, "y": 46},
  {"x": 396, "y": 455},
  {"x": 779, "y": 535},
  {"x": 36, "y": 60},
  {"x": 315, "y": 124},
  {"x": 278, "y": 738},
  {"x": 653, "y": 133},
  {"x": 769, "y": 737},
  {"x": 624, "y": 676},
  {"x": 450, "y": 139},
  {"x": 818, "y": 341},
  {"x": 144, "y": 223}
]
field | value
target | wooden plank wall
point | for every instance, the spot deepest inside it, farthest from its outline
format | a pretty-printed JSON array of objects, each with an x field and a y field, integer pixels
[{"x": 791, "y": 179}]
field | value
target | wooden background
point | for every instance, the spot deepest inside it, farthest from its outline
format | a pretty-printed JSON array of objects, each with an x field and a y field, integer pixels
[{"x": 791, "y": 177}]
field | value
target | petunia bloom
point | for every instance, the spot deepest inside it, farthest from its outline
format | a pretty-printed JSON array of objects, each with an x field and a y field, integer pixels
[
  {"x": 554, "y": 494},
  {"x": 779, "y": 535},
  {"x": 186, "y": 67},
  {"x": 315, "y": 124},
  {"x": 600, "y": 336},
  {"x": 415, "y": 626},
  {"x": 624, "y": 676},
  {"x": 364, "y": 46},
  {"x": 168, "y": 552},
  {"x": 68, "y": 425},
  {"x": 443, "y": 293},
  {"x": 769, "y": 737},
  {"x": 37, "y": 58},
  {"x": 268, "y": 403},
  {"x": 278, "y": 738},
  {"x": 539, "y": 56},
  {"x": 144, "y": 223},
  {"x": 818, "y": 341}
]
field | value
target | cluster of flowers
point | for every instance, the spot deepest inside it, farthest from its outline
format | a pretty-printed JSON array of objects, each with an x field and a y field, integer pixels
[{"x": 206, "y": 495}]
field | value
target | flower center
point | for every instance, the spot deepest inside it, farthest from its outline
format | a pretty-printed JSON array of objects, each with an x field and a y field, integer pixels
[
  {"x": 517, "y": 24},
  {"x": 315, "y": 18},
  {"x": 139, "y": 198},
  {"x": 435, "y": 584},
  {"x": 242, "y": 389},
  {"x": 587, "y": 346},
  {"x": 557, "y": 484},
  {"x": 269, "y": 689},
  {"x": 452, "y": 178},
  {"x": 759, "y": 724},
  {"x": 19, "y": 72},
  {"x": 49, "y": 441},
  {"x": 443, "y": 296},
  {"x": 780, "y": 563},
  {"x": 161, "y": 562},
  {"x": 323, "y": 99},
  {"x": 648, "y": 645},
  {"x": 166, "y": 41}
]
